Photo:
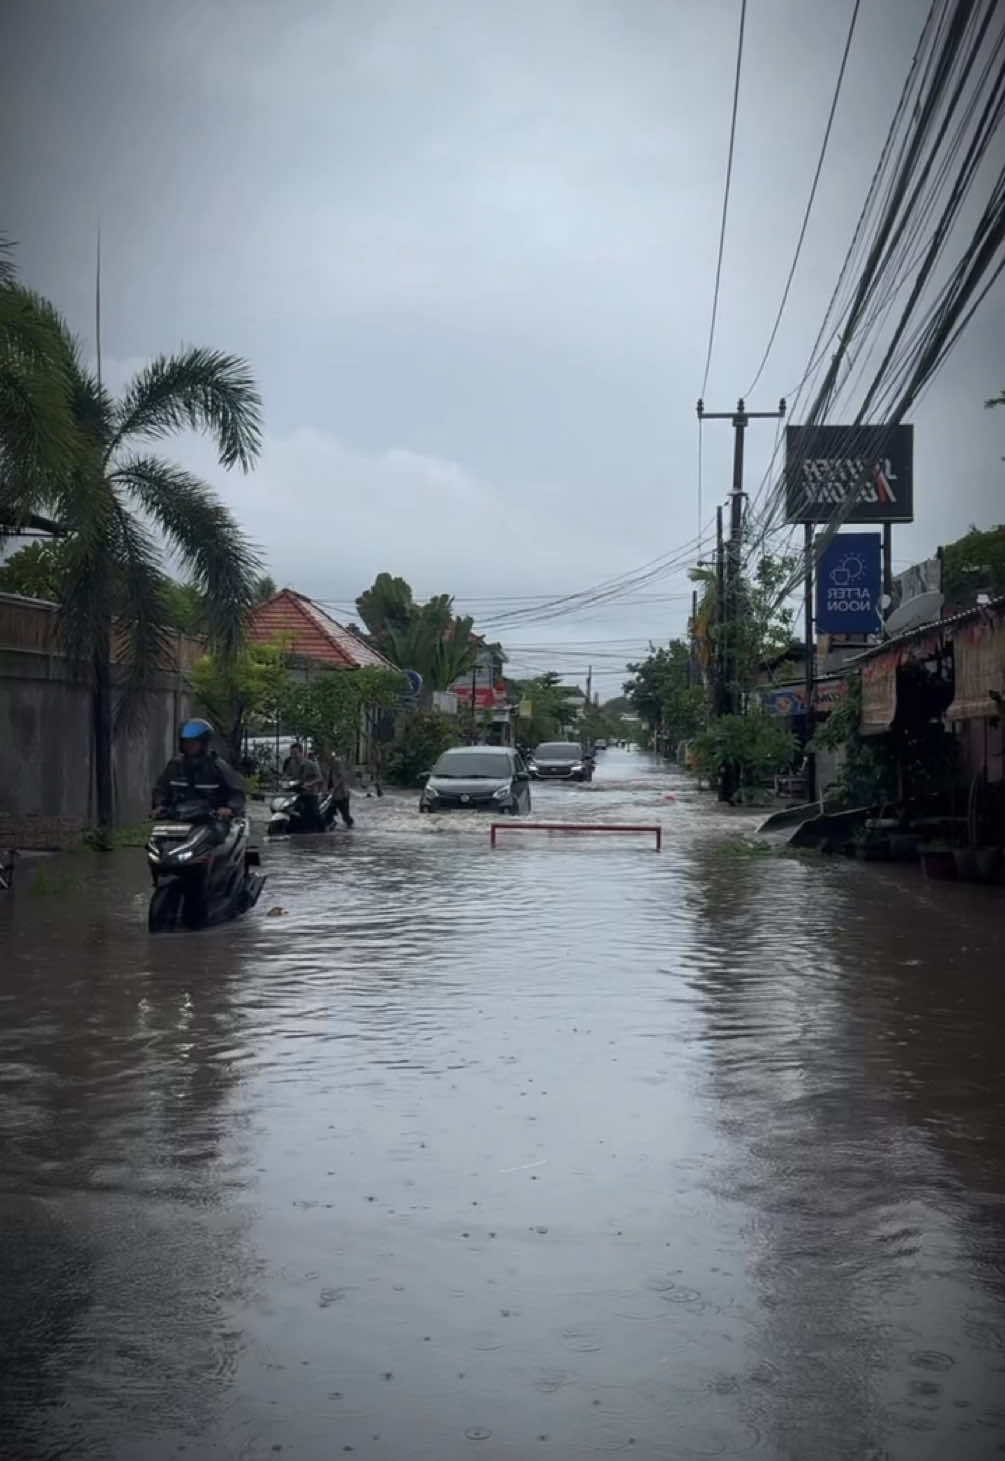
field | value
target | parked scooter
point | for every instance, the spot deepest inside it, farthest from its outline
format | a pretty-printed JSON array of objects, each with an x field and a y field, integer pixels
[
  {"x": 202, "y": 868},
  {"x": 295, "y": 810}
]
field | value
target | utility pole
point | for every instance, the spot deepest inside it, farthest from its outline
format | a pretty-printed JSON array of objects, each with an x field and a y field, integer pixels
[
  {"x": 809, "y": 667},
  {"x": 728, "y": 573},
  {"x": 720, "y": 616},
  {"x": 729, "y": 598}
]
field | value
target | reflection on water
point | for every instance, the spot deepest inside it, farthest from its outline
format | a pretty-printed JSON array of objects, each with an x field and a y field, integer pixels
[{"x": 568, "y": 1148}]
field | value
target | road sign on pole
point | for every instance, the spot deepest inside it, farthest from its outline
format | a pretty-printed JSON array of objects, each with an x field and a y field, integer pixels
[{"x": 849, "y": 584}]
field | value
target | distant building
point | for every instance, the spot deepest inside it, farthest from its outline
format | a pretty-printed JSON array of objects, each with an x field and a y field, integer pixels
[
  {"x": 493, "y": 713},
  {"x": 314, "y": 643},
  {"x": 307, "y": 633}
]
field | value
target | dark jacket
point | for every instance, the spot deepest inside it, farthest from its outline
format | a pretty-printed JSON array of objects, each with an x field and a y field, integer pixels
[{"x": 205, "y": 776}]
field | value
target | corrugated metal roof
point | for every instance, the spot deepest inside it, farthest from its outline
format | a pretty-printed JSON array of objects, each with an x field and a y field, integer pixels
[
  {"x": 307, "y": 630},
  {"x": 995, "y": 606}
]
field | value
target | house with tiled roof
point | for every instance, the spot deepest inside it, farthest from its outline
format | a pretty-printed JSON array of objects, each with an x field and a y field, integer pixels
[{"x": 308, "y": 634}]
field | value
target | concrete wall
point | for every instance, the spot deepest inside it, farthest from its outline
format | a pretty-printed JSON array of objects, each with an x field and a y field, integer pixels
[{"x": 46, "y": 780}]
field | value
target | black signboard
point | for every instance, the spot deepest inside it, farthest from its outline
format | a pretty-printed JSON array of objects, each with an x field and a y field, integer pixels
[{"x": 828, "y": 467}]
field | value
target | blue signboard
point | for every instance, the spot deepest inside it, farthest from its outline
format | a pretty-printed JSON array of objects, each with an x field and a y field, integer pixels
[{"x": 849, "y": 583}]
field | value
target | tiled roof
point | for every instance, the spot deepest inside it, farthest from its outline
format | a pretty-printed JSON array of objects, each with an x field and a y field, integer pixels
[{"x": 306, "y": 630}]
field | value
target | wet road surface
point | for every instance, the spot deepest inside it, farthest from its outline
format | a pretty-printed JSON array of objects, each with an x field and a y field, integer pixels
[{"x": 566, "y": 1150}]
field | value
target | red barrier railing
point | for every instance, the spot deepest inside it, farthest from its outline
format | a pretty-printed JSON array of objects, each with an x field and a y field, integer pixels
[{"x": 521, "y": 826}]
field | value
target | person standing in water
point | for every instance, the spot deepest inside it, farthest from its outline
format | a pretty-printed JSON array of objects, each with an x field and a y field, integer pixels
[{"x": 338, "y": 781}]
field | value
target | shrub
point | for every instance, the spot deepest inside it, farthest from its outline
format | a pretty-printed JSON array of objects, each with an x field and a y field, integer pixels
[
  {"x": 754, "y": 744},
  {"x": 425, "y": 736}
]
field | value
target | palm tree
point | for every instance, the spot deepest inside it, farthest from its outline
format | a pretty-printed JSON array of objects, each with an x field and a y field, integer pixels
[
  {"x": 119, "y": 507},
  {"x": 114, "y": 499}
]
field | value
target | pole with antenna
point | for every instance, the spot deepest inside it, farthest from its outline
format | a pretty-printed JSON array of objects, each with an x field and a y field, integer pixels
[{"x": 97, "y": 304}]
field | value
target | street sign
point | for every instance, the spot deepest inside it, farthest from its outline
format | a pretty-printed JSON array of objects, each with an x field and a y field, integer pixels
[
  {"x": 409, "y": 698},
  {"x": 849, "y": 584},
  {"x": 829, "y": 467}
]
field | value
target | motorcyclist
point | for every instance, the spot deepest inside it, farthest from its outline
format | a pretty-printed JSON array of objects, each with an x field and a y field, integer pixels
[
  {"x": 199, "y": 773},
  {"x": 305, "y": 773}
]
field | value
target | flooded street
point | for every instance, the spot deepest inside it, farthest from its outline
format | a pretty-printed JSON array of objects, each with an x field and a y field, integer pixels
[{"x": 566, "y": 1149}]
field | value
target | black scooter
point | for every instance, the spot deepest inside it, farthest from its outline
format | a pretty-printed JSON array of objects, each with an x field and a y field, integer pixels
[
  {"x": 295, "y": 811},
  {"x": 202, "y": 868}
]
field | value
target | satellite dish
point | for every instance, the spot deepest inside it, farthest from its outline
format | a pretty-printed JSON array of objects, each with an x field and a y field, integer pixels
[{"x": 921, "y": 609}]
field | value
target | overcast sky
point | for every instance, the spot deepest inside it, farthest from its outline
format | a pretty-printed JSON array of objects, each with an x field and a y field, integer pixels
[{"x": 468, "y": 248}]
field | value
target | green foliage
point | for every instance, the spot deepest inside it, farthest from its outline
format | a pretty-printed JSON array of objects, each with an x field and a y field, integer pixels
[
  {"x": 233, "y": 689},
  {"x": 425, "y": 736},
  {"x": 185, "y": 608},
  {"x": 119, "y": 509},
  {"x": 974, "y": 563},
  {"x": 38, "y": 433},
  {"x": 37, "y": 571},
  {"x": 328, "y": 709},
  {"x": 659, "y": 691},
  {"x": 913, "y": 761},
  {"x": 552, "y": 717},
  {"x": 754, "y": 744},
  {"x": 428, "y": 637}
]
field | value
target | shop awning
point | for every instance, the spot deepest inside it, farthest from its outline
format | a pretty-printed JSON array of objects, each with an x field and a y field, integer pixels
[
  {"x": 979, "y": 669},
  {"x": 879, "y": 693}
]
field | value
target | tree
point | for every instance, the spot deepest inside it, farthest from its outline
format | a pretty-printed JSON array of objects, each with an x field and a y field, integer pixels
[
  {"x": 185, "y": 608},
  {"x": 38, "y": 435},
  {"x": 753, "y": 744},
  {"x": 974, "y": 563},
  {"x": 328, "y": 710},
  {"x": 426, "y": 734},
  {"x": 112, "y": 497},
  {"x": 36, "y": 571},
  {"x": 428, "y": 637},
  {"x": 662, "y": 692},
  {"x": 234, "y": 689},
  {"x": 552, "y": 715},
  {"x": 757, "y": 632}
]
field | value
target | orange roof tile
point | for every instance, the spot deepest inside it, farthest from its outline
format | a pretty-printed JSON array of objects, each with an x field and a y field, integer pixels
[{"x": 306, "y": 630}]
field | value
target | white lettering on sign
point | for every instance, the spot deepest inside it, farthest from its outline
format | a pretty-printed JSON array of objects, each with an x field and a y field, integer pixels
[{"x": 833, "y": 479}]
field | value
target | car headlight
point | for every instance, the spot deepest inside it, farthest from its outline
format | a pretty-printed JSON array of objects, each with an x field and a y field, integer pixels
[
  {"x": 501, "y": 793},
  {"x": 578, "y": 766},
  {"x": 430, "y": 793}
]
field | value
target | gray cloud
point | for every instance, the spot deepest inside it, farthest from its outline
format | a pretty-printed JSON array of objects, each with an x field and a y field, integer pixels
[{"x": 469, "y": 250}]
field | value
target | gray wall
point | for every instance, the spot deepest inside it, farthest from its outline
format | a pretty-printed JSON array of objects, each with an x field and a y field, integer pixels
[{"x": 45, "y": 726}]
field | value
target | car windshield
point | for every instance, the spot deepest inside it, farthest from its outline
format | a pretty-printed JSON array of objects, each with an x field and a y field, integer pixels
[
  {"x": 474, "y": 764},
  {"x": 557, "y": 751}
]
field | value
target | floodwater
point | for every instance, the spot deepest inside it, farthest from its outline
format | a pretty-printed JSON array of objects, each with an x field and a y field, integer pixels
[{"x": 569, "y": 1149}]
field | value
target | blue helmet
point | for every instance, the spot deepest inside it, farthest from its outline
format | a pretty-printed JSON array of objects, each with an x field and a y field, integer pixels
[{"x": 196, "y": 730}]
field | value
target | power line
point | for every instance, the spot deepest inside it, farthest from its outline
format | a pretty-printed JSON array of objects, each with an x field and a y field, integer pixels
[
  {"x": 809, "y": 201},
  {"x": 725, "y": 196}
]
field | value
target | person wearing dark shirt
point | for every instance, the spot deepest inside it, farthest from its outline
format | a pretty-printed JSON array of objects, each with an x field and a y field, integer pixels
[{"x": 199, "y": 773}]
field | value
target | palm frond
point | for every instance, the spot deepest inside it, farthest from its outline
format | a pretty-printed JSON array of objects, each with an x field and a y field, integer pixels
[
  {"x": 38, "y": 438},
  {"x": 204, "y": 390},
  {"x": 205, "y": 536},
  {"x": 8, "y": 269},
  {"x": 90, "y": 518},
  {"x": 142, "y": 641}
]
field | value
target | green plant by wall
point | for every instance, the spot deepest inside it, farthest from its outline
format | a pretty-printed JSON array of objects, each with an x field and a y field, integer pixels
[
  {"x": 754, "y": 744},
  {"x": 425, "y": 736},
  {"x": 328, "y": 710}
]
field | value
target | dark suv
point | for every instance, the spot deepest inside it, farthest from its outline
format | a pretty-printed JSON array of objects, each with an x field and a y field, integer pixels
[
  {"x": 562, "y": 761},
  {"x": 477, "y": 778}
]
